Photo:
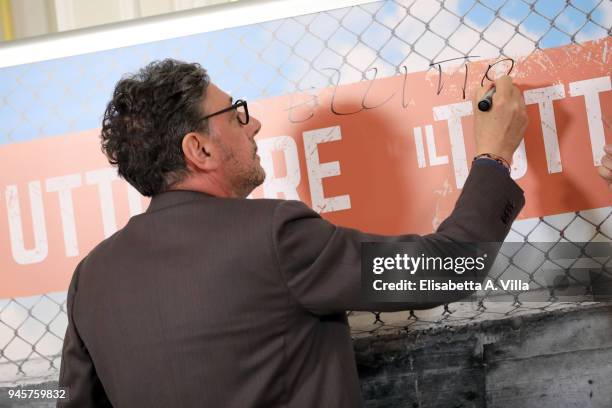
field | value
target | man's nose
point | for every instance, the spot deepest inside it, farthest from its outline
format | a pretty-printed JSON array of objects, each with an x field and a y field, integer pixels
[{"x": 256, "y": 125}]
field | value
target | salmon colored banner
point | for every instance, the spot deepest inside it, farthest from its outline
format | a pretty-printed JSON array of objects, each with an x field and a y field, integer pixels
[{"x": 385, "y": 155}]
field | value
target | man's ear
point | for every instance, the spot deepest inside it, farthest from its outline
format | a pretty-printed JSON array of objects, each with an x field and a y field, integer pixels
[{"x": 199, "y": 151}]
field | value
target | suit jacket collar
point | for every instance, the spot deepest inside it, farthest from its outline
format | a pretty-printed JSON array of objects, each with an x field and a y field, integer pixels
[{"x": 175, "y": 197}]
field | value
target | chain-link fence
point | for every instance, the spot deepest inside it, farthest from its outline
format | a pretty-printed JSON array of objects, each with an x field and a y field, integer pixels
[{"x": 292, "y": 55}]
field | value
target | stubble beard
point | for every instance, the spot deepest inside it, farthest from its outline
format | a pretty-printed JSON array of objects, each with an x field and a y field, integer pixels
[
  {"x": 253, "y": 178},
  {"x": 244, "y": 177}
]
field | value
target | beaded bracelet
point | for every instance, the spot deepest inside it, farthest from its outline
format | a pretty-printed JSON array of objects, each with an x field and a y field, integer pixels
[{"x": 495, "y": 157}]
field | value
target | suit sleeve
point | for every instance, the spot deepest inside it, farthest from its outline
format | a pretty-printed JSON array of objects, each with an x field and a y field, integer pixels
[
  {"x": 321, "y": 263},
  {"x": 77, "y": 372}
]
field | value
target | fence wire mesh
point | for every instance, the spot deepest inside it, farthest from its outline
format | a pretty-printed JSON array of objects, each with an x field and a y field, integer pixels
[{"x": 294, "y": 55}]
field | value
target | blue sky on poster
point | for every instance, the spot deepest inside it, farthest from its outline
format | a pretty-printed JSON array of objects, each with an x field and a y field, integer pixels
[{"x": 278, "y": 57}]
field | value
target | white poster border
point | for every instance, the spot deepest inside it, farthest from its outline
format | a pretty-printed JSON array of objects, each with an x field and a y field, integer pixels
[{"x": 158, "y": 28}]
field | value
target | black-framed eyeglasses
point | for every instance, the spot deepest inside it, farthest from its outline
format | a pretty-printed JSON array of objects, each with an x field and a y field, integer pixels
[{"x": 242, "y": 112}]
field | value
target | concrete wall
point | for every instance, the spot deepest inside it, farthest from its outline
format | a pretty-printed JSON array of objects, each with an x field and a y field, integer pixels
[
  {"x": 555, "y": 359},
  {"x": 548, "y": 360}
]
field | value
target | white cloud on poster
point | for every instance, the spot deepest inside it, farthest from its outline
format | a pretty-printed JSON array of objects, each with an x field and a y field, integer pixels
[{"x": 423, "y": 30}]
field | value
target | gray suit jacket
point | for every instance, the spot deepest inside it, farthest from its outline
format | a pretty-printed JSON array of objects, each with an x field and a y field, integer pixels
[{"x": 216, "y": 302}]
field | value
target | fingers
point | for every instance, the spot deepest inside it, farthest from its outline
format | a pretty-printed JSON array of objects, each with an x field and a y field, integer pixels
[
  {"x": 478, "y": 94},
  {"x": 606, "y": 166},
  {"x": 605, "y": 170},
  {"x": 517, "y": 94},
  {"x": 480, "y": 91},
  {"x": 607, "y": 159},
  {"x": 605, "y": 173},
  {"x": 520, "y": 98},
  {"x": 504, "y": 87}
]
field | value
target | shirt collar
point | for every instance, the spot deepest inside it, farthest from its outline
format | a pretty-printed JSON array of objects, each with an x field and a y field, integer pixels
[{"x": 175, "y": 197}]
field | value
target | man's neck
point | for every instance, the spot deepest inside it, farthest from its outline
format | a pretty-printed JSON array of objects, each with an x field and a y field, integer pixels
[{"x": 204, "y": 185}]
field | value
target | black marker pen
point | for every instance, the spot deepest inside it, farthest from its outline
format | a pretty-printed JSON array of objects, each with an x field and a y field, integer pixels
[{"x": 487, "y": 100}]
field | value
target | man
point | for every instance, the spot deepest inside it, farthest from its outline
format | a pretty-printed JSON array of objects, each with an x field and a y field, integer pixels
[{"x": 212, "y": 300}]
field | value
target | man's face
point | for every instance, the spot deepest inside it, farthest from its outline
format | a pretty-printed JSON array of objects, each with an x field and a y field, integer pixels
[{"x": 240, "y": 166}]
